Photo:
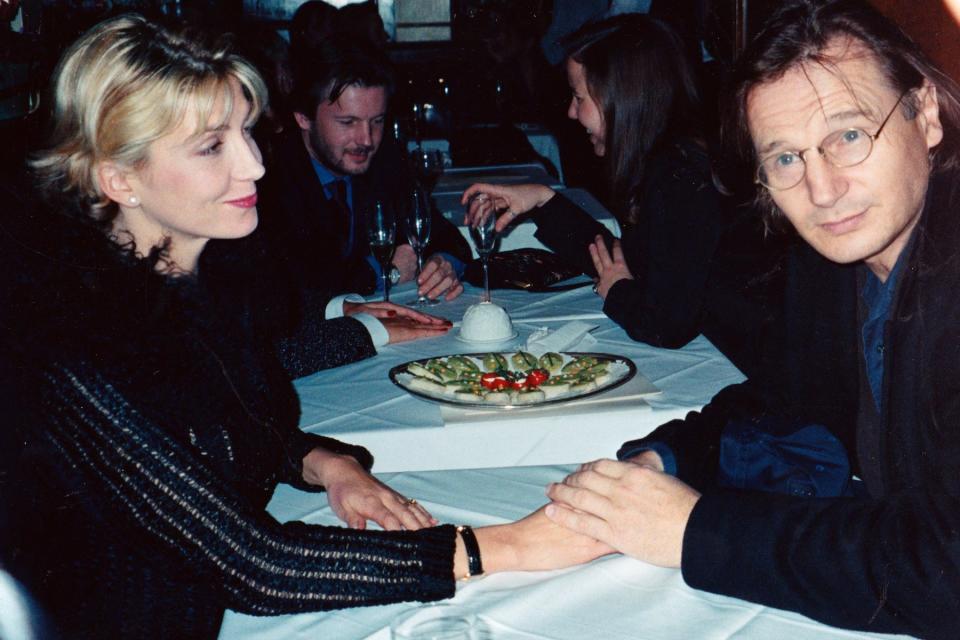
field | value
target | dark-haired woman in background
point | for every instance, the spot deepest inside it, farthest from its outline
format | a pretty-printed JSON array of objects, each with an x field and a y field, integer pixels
[
  {"x": 635, "y": 92},
  {"x": 145, "y": 426}
]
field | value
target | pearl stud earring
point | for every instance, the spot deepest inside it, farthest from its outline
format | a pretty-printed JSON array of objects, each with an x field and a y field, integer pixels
[{"x": 133, "y": 200}]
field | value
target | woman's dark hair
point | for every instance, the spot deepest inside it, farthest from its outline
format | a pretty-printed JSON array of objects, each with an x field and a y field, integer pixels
[
  {"x": 332, "y": 66},
  {"x": 799, "y": 33},
  {"x": 638, "y": 71}
]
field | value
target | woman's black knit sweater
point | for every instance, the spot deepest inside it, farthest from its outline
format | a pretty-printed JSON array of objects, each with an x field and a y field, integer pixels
[{"x": 146, "y": 425}]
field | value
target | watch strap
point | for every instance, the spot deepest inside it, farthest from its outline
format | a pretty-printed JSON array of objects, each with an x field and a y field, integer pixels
[{"x": 472, "y": 547}]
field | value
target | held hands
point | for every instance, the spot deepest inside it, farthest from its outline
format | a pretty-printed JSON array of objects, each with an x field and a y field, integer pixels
[
  {"x": 356, "y": 496},
  {"x": 636, "y": 509},
  {"x": 513, "y": 200},
  {"x": 402, "y": 323},
  {"x": 534, "y": 544},
  {"x": 610, "y": 268}
]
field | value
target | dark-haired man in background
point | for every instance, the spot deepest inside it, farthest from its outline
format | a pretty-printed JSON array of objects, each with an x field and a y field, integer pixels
[
  {"x": 310, "y": 250},
  {"x": 855, "y": 139},
  {"x": 330, "y": 168}
]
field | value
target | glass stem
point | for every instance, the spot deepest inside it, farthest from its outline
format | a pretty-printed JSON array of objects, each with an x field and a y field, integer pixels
[
  {"x": 386, "y": 286},
  {"x": 416, "y": 281},
  {"x": 486, "y": 280}
]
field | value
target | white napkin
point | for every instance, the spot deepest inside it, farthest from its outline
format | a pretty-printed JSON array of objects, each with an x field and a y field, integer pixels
[{"x": 572, "y": 336}]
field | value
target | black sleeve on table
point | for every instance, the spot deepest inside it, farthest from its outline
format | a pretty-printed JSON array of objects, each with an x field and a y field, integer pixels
[{"x": 175, "y": 501}]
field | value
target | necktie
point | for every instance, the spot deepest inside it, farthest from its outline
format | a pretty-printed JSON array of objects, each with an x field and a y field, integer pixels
[{"x": 344, "y": 221}]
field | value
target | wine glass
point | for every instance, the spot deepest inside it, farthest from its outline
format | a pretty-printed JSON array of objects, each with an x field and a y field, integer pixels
[
  {"x": 382, "y": 233},
  {"x": 484, "y": 233},
  {"x": 418, "y": 234},
  {"x": 437, "y": 622}
]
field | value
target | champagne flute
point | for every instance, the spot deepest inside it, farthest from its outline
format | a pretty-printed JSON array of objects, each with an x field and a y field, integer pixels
[
  {"x": 418, "y": 234},
  {"x": 484, "y": 233},
  {"x": 382, "y": 234}
]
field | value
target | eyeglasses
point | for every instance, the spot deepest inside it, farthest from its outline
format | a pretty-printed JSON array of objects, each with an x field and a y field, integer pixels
[{"x": 843, "y": 148}]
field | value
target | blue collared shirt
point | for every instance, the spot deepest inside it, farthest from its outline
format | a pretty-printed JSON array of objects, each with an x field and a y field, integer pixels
[
  {"x": 327, "y": 178},
  {"x": 878, "y": 301}
]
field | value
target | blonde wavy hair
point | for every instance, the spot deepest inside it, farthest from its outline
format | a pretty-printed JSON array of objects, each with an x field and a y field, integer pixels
[{"x": 121, "y": 86}]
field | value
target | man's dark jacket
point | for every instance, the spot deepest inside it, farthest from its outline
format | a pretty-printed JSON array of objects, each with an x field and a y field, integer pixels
[
  {"x": 300, "y": 221},
  {"x": 887, "y": 562}
]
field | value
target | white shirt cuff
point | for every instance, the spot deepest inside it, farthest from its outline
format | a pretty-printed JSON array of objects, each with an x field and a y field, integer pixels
[
  {"x": 335, "y": 306},
  {"x": 378, "y": 332}
]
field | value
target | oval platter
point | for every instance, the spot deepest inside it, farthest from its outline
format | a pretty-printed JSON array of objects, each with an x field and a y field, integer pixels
[{"x": 620, "y": 370}]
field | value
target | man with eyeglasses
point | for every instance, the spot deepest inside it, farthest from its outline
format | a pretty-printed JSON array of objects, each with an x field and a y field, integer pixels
[{"x": 854, "y": 137}]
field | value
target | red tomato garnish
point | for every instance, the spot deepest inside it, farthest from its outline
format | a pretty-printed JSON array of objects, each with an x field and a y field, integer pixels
[
  {"x": 536, "y": 377},
  {"x": 490, "y": 379}
]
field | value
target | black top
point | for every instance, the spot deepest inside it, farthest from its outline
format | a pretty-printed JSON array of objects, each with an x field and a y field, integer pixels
[
  {"x": 886, "y": 562},
  {"x": 146, "y": 424},
  {"x": 291, "y": 314},
  {"x": 687, "y": 254}
]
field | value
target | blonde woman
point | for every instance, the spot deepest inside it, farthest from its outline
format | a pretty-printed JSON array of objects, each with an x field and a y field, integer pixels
[{"x": 146, "y": 428}]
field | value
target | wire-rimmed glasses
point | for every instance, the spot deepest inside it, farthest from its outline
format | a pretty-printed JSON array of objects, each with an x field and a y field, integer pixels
[{"x": 843, "y": 149}]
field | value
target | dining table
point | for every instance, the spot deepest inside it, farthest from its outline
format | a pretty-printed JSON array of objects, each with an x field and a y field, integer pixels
[
  {"x": 491, "y": 466},
  {"x": 612, "y": 598},
  {"x": 359, "y": 403},
  {"x": 484, "y": 466}
]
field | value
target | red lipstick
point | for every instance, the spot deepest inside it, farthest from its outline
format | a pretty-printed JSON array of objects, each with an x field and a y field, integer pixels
[{"x": 245, "y": 202}]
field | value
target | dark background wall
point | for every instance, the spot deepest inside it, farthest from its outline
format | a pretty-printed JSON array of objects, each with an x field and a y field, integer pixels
[{"x": 929, "y": 23}]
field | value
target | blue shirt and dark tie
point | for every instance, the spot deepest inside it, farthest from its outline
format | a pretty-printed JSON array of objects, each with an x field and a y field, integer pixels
[{"x": 329, "y": 181}]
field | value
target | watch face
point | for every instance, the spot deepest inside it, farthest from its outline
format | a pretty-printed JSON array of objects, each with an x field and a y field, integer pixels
[{"x": 394, "y": 275}]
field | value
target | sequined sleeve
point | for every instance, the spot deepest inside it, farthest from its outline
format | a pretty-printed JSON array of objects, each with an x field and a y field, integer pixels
[
  {"x": 263, "y": 567},
  {"x": 322, "y": 344}
]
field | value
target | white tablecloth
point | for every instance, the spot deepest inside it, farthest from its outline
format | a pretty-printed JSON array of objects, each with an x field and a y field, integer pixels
[
  {"x": 612, "y": 598},
  {"x": 359, "y": 404}
]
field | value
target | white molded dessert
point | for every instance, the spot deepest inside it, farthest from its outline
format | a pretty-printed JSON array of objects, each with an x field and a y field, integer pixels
[{"x": 486, "y": 322}]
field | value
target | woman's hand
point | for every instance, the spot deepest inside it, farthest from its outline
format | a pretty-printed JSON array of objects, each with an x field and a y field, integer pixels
[
  {"x": 439, "y": 278},
  {"x": 403, "y": 324},
  {"x": 611, "y": 268},
  {"x": 531, "y": 544},
  {"x": 512, "y": 200},
  {"x": 635, "y": 508},
  {"x": 356, "y": 496},
  {"x": 405, "y": 330}
]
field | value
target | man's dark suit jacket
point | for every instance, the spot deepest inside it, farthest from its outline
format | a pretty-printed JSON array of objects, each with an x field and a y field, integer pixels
[
  {"x": 300, "y": 222},
  {"x": 886, "y": 562}
]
